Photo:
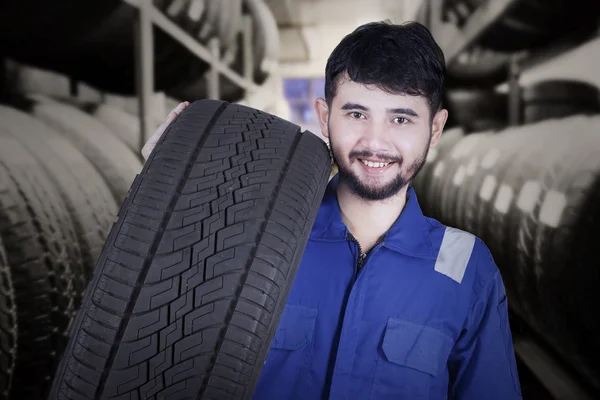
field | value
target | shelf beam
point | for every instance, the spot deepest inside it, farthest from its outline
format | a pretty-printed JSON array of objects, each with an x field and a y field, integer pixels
[
  {"x": 454, "y": 40},
  {"x": 144, "y": 43},
  {"x": 163, "y": 22},
  {"x": 149, "y": 16}
]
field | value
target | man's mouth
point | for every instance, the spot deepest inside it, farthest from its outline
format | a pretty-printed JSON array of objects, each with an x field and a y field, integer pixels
[{"x": 374, "y": 164}]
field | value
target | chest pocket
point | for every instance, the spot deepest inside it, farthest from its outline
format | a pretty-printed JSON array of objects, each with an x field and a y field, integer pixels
[
  {"x": 296, "y": 328},
  {"x": 412, "y": 362},
  {"x": 285, "y": 373}
]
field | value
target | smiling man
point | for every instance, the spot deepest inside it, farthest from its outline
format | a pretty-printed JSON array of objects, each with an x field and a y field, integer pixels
[{"x": 388, "y": 303}]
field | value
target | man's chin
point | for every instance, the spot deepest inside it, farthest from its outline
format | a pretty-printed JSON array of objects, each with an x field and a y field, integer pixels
[{"x": 373, "y": 188}]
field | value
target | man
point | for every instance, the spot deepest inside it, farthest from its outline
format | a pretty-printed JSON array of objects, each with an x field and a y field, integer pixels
[{"x": 387, "y": 303}]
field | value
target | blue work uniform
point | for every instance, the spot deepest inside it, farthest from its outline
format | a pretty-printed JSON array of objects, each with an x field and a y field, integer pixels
[{"x": 422, "y": 316}]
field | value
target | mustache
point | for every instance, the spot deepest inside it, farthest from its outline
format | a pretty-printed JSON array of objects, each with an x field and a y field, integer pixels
[{"x": 368, "y": 154}]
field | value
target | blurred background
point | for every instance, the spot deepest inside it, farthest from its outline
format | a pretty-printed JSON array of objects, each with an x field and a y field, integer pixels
[{"x": 84, "y": 83}]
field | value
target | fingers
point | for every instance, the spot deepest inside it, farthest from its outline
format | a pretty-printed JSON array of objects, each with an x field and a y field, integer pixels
[
  {"x": 151, "y": 142},
  {"x": 176, "y": 111}
]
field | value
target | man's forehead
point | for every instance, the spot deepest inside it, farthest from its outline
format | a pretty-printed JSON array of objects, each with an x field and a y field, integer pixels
[{"x": 372, "y": 96}]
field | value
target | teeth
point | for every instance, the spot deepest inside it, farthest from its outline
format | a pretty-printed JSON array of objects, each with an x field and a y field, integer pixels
[{"x": 374, "y": 164}]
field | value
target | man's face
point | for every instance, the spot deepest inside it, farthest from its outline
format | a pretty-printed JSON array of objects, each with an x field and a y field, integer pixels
[{"x": 379, "y": 140}]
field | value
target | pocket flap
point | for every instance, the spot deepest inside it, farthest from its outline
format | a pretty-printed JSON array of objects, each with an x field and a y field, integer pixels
[
  {"x": 416, "y": 346},
  {"x": 295, "y": 328}
]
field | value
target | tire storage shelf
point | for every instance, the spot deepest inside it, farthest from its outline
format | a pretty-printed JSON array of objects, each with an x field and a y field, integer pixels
[
  {"x": 519, "y": 168},
  {"x": 186, "y": 49}
]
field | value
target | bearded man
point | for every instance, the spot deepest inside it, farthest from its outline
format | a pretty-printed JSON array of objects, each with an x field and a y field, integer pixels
[{"x": 387, "y": 303}]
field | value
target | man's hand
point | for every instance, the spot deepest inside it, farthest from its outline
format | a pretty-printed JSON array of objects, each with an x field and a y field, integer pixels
[{"x": 149, "y": 145}]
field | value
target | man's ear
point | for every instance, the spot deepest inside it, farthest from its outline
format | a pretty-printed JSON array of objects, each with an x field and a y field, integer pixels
[
  {"x": 437, "y": 126},
  {"x": 323, "y": 114}
]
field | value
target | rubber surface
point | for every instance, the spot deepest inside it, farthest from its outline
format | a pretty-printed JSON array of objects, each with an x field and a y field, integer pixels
[
  {"x": 117, "y": 164},
  {"x": 8, "y": 326},
  {"x": 125, "y": 125},
  {"x": 475, "y": 107},
  {"x": 559, "y": 98},
  {"x": 529, "y": 24},
  {"x": 85, "y": 194},
  {"x": 477, "y": 67},
  {"x": 195, "y": 273},
  {"x": 45, "y": 262}
]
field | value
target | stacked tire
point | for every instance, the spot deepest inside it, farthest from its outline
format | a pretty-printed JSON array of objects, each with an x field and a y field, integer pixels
[
  {"x": 531, "y": 193},
  {"x": 527, "y": 24},
  {"x": 558, "y": 98},
  {"x": 63, "y": 175},
  {"x": 477, "y": 109},
  {"x": 8, "y": 327}
]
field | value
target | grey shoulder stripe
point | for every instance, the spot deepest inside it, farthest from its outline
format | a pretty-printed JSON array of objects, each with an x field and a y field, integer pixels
[{"x": 455, "y": 253}]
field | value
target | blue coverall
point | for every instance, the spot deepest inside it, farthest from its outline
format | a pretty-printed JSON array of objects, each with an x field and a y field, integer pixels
[{"x": 424, "y": 317}]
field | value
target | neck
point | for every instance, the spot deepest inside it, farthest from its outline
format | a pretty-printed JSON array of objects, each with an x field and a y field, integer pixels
[{"x": 370, "y": 218}]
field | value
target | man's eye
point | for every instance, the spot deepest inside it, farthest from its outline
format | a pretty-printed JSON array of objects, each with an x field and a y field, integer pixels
[
  {"x": 401, "y": 120},
  {"x": 356, "y": 114}
]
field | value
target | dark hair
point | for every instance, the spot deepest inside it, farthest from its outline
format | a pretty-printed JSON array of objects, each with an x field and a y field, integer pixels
[{"x": 400, "y": 59}]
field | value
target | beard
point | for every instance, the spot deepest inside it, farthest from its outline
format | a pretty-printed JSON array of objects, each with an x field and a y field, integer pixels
[{"x": 377, "y": 192}]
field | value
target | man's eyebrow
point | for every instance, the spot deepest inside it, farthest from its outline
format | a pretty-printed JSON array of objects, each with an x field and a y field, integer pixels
[
  {"x": 405, "y": 111},
  {"x": 354, "y": 106}
]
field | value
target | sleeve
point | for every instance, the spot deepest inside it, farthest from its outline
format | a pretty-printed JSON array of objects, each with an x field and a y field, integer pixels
[{"x": 483, "y": 364}]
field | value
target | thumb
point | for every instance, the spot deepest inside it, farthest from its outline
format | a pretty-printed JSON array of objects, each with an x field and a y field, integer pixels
[
  {"x": 151, "y": 143},
  {"x": 153, "y": 140}
]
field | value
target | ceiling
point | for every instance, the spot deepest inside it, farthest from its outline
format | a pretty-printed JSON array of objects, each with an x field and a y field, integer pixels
[{"x": 310, "y": 29}]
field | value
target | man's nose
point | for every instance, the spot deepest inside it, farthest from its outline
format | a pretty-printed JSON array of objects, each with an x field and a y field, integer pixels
[{"x": 375, "y": 138}]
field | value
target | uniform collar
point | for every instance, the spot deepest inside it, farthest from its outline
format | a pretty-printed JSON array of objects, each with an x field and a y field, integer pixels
[{"x": 410, "y": 234}]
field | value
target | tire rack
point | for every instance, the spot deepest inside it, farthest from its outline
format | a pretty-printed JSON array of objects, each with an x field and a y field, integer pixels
[
  {"x": 561, "y": 383},
  {"x": 454, "y": 41},
  {"x": 149, "y": 16}
]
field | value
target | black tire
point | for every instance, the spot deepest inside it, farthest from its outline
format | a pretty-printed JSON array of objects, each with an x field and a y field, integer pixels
[
  {"x": 194, "y": 275},
  {"x": 8, "y": 327},
  {"x": 471, "y": 164},
  {"x": 457, "y": 178},
  {"x": 117, "y": 164},
  {"x": 485, "y": 107},
  {"x": 422, "y": 181},
  {"x": 85, "y": 194},
  {"x": 45, "y": 261},
  {"x": 581, "y": 232},
  {"x": 537, "y": 112},
  {"x": 559, "y": 98},
  {"x": 532, "y": 24},
  {"x": 519, "y": 175},
  {"x": 478, "y": 67},
  {"x": 562, "y": 229},
  {"x": 438, "y": 173},
  {"x": 563, "y": 91},
  {"x": 126, "y": 126},
  {"x": 541, "y": 166}
]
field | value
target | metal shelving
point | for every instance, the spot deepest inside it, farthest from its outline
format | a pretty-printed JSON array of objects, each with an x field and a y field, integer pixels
[
  {"x": 453, "y": 41},
  {"x": 149, "y": 16}
]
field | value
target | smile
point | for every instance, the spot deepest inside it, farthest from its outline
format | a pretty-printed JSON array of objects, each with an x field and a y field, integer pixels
[{"x": 373, "y": 164}]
